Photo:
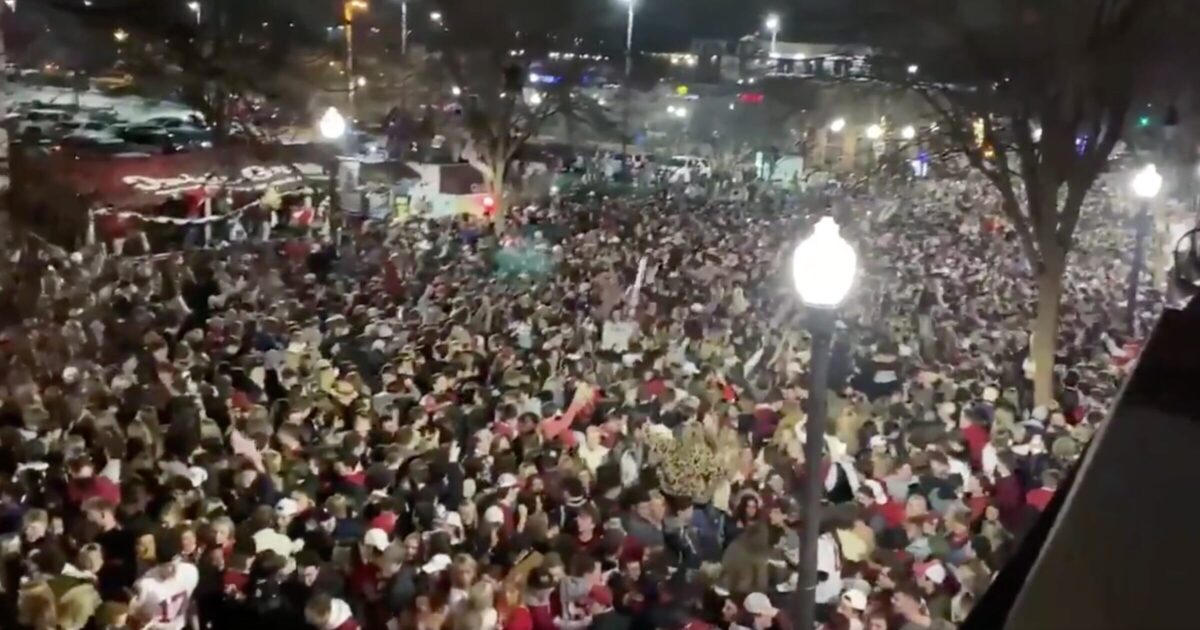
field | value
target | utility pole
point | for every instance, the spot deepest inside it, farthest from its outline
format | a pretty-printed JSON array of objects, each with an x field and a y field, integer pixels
[
  {"x": 404, "y": 27},
  {"x": 627, "y": 88},
  {"x": 348, "y": 9}
]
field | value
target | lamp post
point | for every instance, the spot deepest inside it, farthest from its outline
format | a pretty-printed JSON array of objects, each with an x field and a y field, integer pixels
[
  {"x": 348, "y": 9},
  {"x": 823, "y": 268},
  {"x": 333, "y": 127},
  {"x": 194, "y": 7},
  {"x": 773, "y": 27},
  {"x": 1146, "y": 185},
  {"x": 630, "y": 6},
  {"x": 403, "y": 27}
]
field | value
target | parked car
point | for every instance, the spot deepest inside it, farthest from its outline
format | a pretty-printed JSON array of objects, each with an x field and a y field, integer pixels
[
  {"x": 84, "y": 128},
  {"x": 151, "y": 137},
  {"x": 42, "y": 122},
  {"x": 80, "y": 145}
]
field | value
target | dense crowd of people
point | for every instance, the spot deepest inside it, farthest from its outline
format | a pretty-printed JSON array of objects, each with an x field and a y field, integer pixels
[{"x": 387, "y": 431}]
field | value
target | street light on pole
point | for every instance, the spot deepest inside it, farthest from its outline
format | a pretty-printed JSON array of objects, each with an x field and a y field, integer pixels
[
  {"x": 1146, "y": 185},
  {"x": 629, "y": 14},
  {"x": 837, "y": 125},
  {"x": 332, "y": 124},
  {"x": 403, "y": 27},
  {"x": 823, "y": 269},
  {"x": 194, "y": 7},
  {"x": 349, "y": 7},
  {"x": 773, "y": 27}
]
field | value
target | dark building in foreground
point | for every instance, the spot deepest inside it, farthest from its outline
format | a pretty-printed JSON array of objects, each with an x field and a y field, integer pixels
[{"x": 1116, "y": 548}]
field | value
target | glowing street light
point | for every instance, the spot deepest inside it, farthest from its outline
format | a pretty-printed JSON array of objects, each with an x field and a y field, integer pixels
[
  {"x": 194, "y": 7},
  {"x": 1146, "y": 185},
  {"x": 120, "y": 35},
  {"x": 436, "y": 17},
  {"x": 823, "y": 268},
  {"x": 1147, "y": 182},
  {"x": 772, "y": 25},
  {"x": 913, "y": 68},
  {"x": 332, "y": 124},
  {"x": 535, "y": 99},
  {"x": 874, "y": 132},
  {"x": 909, "y": 132},
  {"x": 456, "y": 91},
  {"x": 837, "y": 125},
  {"x": 349, "y": 8}
]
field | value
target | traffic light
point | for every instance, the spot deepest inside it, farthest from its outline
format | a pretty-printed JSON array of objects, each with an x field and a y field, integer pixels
[{"x": 1144, "y": 121}]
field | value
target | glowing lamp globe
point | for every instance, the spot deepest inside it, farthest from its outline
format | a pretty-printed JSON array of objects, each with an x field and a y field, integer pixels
[
  {"x": 823, "y": 266},
  {"x": 332, "y": 125},
  {"x": 1147, "y": 182}
]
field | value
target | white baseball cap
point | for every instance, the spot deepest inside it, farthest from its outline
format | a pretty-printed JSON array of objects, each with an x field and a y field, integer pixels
[
  {"x": 376, "y": 539},
  {"x": 506, "y": 480},
  {"x": 855, "y": 599},
  {"x": 759, "y": 605},
  {"x": 494, "y": 515},
  {"x": 287, "y": 507}
]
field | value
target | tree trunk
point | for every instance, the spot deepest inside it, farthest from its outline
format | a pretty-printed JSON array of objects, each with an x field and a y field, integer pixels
[
  {"x": 1045, "y": 332},
  {"x": 496, "y": 189},
  {"x": 4, "y": 167}
]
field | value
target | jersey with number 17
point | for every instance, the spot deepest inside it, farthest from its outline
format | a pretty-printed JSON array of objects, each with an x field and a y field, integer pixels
[{"x": 165, "y": 600}]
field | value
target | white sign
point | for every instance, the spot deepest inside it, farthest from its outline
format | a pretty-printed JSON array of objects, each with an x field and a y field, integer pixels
[
  {"x": 616, "y": 336},
  {"x": 252, "y": 178}
]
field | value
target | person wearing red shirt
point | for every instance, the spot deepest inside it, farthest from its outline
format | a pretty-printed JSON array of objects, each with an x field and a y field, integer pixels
[
  {"x": 1039, "y": 498},
  {"x": 85, "y": 484},
  {"x": 877, "y": 503},
  {"x": 514, "y": 614},
  {"x": 976, "y": 435}
]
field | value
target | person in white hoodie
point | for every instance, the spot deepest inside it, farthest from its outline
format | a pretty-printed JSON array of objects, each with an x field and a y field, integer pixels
[{"x": 329, "y": 613}]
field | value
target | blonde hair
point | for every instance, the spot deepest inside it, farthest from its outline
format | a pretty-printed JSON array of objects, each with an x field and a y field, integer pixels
[
  {"x": 480, "y": 599},
  {"x": 460, "y": 568}
]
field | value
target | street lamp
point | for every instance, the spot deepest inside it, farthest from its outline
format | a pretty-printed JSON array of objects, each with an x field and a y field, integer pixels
[
  {"x": 823, "y": 268},
  {"x": 435, "y": 17},
  {"x": 332, "y": 124},
  {"x": 349, "y": 7},
  {"x": 630, "y": 5},
  {"x": 837, "y": 125},
  {"x": 120, "y": 35},
  {"x": 1146, "y": 184},
  {"x": 773, "y": 27},
  {"x": 909, "y": 132},
  {"x": 194, "y": 7},
  {"x": 913, "y": 68},
  {"x": 874, "y": 132},
  {"x": 403, "y": 27}
]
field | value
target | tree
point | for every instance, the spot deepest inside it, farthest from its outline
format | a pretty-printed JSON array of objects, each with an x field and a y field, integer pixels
[
  {"x": 1034, "y": 95},
  {"x": 484, "y": 47}
]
